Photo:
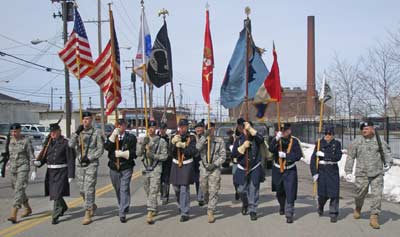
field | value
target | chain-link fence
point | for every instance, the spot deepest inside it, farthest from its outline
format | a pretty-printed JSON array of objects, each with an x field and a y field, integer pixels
[{"x": 347, "y": 129}]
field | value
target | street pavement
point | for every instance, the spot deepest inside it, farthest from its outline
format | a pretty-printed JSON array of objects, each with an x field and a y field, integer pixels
[{"x": 229, "y": 220}]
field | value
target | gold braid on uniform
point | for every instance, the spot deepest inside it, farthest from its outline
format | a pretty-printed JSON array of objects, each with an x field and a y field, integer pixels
[{"x": 181, "y": 156}]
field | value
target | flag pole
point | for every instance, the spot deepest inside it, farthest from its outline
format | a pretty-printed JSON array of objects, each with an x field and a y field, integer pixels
[
  {"x": 114, "y": 79},
  {"x": 247, "y": 11},
  {"x": 208, "y": 103}
]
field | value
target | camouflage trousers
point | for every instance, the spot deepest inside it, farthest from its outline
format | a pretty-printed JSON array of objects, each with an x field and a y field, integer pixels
[
  {"x": 19, "y": 182},
  {"x": 151, "y": 186},
  {"x": 210, "y": 182},
  {"x": 87, "y": 179},
  {"x": 362, "y": 184}
]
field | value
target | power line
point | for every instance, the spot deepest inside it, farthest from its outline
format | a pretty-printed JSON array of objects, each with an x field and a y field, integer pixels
[{"x": 48, "y": 69}]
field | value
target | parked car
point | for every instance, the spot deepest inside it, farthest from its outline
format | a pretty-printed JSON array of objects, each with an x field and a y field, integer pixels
[
  {"x": 36, "y": 137},
  {"x": 45, "y": 130},
  {"x": 266, "y": 129}
]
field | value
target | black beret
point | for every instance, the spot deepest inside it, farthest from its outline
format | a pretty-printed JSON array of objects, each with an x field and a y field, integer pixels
[
  {"x": 183, "y": 122},
  {"x": 285, "y": 126},
  {"x": 368, "y": 123},
  {"x": 200, "y": 124},
  {"x": 163, "y": 125},
  {"x": 15, "y": 126},
  {"x": 86, "y": 114},
  {"x": 240, "y": 121},
  {"x": 121, "y": 121},
  {"x": 329, "y": 129},
  {"x": 152, "y": 123},
  {"x": 54, "y": 127}
]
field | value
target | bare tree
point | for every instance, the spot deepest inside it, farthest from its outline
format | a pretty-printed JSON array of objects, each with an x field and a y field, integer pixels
[
  {"x": 345, "y": 82},
  {"x": 380, "y": 77}
]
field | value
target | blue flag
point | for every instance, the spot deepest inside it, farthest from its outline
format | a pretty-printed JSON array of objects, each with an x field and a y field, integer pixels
[{"x": 233, "y": 89}]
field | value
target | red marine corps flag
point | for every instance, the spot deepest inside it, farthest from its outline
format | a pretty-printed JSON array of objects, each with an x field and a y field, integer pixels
[{"x": 208, "y": 62}]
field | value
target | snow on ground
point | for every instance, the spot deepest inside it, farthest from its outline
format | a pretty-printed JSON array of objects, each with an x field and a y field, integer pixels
[{"x": 391, "y": 190}]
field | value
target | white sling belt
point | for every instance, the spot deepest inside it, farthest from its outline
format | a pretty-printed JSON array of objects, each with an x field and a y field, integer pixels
[
  {"x": 324, "y": 162},
  {"x": 185, "y": 162},
  {"x": 57, "y": 166},
  {"x": 286, "y": 167},
  {"x": 242, "y": 168}
]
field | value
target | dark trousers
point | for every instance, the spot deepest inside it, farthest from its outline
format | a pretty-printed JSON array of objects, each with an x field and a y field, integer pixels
[
  {"x": 333, "y": 205},
  {"x": 59, "y": 208},
  {"x": 121, "y": 182},
  {"x": 288, "y": 208},
  {"x": 165, "y": 191}
]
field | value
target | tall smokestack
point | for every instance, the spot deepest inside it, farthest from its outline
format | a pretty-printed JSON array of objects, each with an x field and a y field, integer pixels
[{"x": 310, "y": 66}]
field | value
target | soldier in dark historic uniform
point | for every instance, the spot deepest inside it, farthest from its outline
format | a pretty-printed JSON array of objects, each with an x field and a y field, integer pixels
[
  {"x": 326, "y": 172},
  {"x": 60, "y": 172},
  {"x": 249, "y": 172},
  {"x": 183, "y": 150},
  {"x": 286, "y": 150},
  {"x": 121, "y": 163},
  {"x": 166, "y": 166}
]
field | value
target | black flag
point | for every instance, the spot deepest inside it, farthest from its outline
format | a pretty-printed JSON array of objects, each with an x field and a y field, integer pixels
[{"x": 160, "y": 64}]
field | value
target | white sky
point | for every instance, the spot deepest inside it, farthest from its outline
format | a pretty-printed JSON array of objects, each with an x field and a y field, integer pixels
[{"x": 346, "y": 27}]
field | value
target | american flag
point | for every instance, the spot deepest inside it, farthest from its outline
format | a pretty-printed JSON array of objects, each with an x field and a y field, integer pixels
[
  {"x": 76, "y": 53},
  {"x": 106, "y": 72}
]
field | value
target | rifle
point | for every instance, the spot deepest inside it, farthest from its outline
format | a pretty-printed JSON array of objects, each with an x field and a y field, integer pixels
[
  {"x": 43, "y": 152},
  {"x": 6, "y": 157}
]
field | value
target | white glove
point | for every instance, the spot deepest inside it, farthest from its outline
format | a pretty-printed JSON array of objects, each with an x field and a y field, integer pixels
[
  {"x": 242, "y": 149},
  {"x": 114, "y": 135},
  {"x": 1, "y": 172},
  {"x": 320, "y": 154},
  {"x": 70, "y": 180},
  {"x": 349, "y": 178},
  {"x": 181, "y": 145},
  {"x": 386, "y": 168},
  {"x": 122, "y": 154},
  {"x": 278, "y": 136},
  {"x": 33, "y": 176},
  {"x": 315, "y": 178},
  {"x": 175, "y": 139},
  {"x": 282, "y": 155},
  {"x": 37, "y": 163}
]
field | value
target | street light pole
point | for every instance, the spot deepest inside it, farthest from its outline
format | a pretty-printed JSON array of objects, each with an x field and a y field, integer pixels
[{"x": 67, "y": 88}]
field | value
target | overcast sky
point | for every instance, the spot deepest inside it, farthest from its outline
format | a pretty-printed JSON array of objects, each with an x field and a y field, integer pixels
[{"x": 346, "y": 27}]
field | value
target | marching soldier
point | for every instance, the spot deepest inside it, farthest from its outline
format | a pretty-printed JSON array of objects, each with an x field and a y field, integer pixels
[
  {"x": 60, "y": 170},
  {"x": 154, "y": 150},
  {"x": 249, "y": 172},
  {"x": 121, "y": 163},
  {"x": 199, "y": 129},
  {"x": 89, "y": 145},
  {"x": 166, "y": 167},
  {"x": 21, "y": 153},
  {"x": 183, "y": 150},
  {"x": 373, "y": 160},
  {"x": 286, "y": 148},
  {"x": 327, "y": 173},
  {"x": 210, "y": 170}
]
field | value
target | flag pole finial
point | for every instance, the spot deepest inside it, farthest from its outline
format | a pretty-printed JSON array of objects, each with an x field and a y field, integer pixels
[
  {"x": 164, "y": 12},
  {"x": 207, "y": 6},
  {"x": 247, "y": 10},
  {"x": 142, "y": 3},
  {"x": 109, "y": 5}
]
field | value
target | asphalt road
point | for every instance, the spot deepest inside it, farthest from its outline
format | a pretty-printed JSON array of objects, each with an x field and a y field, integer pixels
[{"x": 229, "y": 221}]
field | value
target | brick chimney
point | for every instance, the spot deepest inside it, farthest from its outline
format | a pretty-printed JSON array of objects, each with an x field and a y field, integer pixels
[{"x": 310, "y": 108}]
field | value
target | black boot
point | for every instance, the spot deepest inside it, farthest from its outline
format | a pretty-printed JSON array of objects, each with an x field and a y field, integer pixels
[
  {"x": 184, "y": 218},
  {"x": 54, "y": 221},
  {"x": 320, "y": 210},
  {"x": 244, "y": 210},
  {"x": 237, "y": 197},
  {"x": 122, "y": 219},
  {"x": 289, "y": 219},
  {"x": 253, "y": 216},
  {"x": 333, "y": 219},
  {"x": 282, "y": 211}
]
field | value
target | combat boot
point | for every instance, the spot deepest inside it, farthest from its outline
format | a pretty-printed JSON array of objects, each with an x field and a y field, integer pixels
[
  {"x": 92, "y": 211},
  {"x": 211, "y": 218},
  {"x": 357, "y": 213},
  {"x": 87, "y": 218},
  {"x": 28, "y": 209},
  {"x": 373, "y": 222},
  {"x": 13, "y": 215},
  {"x": 149, "y": 218}
]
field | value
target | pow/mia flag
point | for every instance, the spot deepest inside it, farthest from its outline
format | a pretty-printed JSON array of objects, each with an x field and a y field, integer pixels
[
  {"x": 159, "y": 67},
  {"x": 326, "y": 93}
]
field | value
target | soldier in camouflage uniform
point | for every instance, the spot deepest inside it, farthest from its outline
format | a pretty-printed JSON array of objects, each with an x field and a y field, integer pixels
[
  {"x": 21, "y": 153},
  {"x": 88, "y": 143},
  {"x": 370, "y": 168},
  {"x": 210, "y": 170},
  {"x": 154, "y": 150}
]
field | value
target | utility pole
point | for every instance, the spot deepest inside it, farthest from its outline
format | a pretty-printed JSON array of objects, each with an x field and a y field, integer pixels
[
  {"x": 51, "y": 99},
  {"x": 180, "y": 95},
  {"x": 60, "y": 102},
  {"x": 90, "y": 102},
  {"x": 66, "y": 5}
]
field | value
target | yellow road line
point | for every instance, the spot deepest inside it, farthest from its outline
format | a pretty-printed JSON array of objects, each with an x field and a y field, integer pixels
[{"x": 25, "y": 225}]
